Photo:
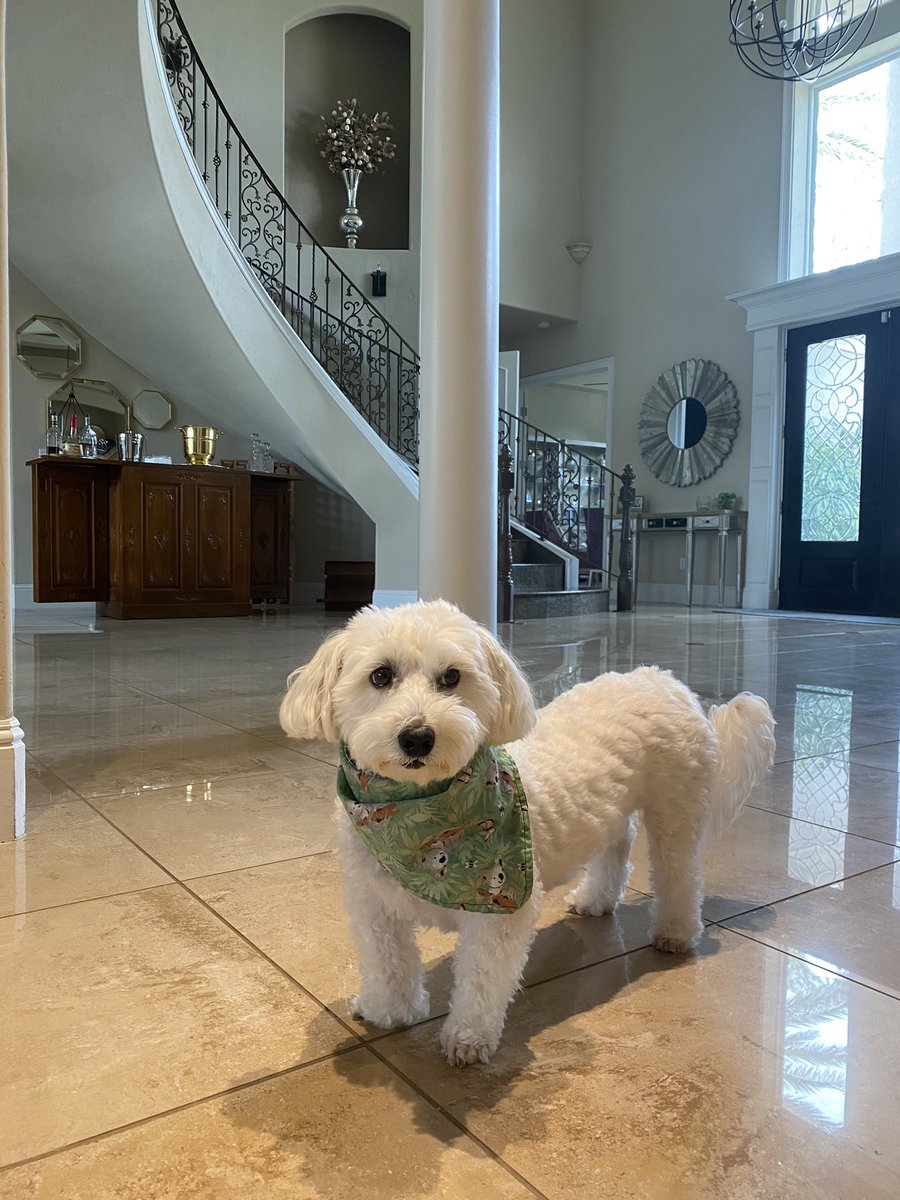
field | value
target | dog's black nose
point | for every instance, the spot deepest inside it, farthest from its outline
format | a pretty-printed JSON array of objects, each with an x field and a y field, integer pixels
[{"x": 416, "y": 741}]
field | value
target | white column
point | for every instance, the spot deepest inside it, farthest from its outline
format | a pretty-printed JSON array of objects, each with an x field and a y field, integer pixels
[
  {"x": 12, "y": 746},
  {"x": 460, "y": 292}
]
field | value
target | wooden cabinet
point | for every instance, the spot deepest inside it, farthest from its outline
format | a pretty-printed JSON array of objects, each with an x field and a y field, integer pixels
[
  {"x": 178, "y": 537},
  {"x": 151, "y": 540}
]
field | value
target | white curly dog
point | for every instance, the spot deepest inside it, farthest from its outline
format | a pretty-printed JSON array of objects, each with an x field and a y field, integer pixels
[{"x": 414, "y": 692}]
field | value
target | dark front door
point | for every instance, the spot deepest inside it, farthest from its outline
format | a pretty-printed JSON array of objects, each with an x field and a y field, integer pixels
[{"x": 841, "y": 501}]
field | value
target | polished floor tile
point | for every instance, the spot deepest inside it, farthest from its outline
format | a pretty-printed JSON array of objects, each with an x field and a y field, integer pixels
[
  {"x": 167, "y": 1039},
  {"x": 739, "y": 1072},
  {"x": 765, "y": 858},
  {"x": 851, "y": 927},
  {"x": 129, "y": 770},
  {"x": 120, "y": 1008},
  {"x": 222, "y": 824},
  {"x": 293, "y": 911},
  {"x": 70, "y": 853},
  {"x": 43, "y": 787},
  {"x": 347, "y": 1129},
  {"x": 835, "y": 791}
]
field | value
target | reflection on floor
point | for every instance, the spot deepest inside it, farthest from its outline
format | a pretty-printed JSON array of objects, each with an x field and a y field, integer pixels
[{"x": 176, "y": 973}]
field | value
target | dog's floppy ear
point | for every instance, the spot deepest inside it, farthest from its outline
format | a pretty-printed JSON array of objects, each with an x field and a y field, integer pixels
[
  {"x": 306, "y": 710},
  {"x": 516, "y": 715}
]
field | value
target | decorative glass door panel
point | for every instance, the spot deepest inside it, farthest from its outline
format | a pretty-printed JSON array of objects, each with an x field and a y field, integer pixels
[{"x": 832, "y": 444}]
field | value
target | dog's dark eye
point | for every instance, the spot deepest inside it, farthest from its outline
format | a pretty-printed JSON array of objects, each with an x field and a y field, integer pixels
[
  {"x": 450, "y": 678},
  {"x": 381, "y": 677}
]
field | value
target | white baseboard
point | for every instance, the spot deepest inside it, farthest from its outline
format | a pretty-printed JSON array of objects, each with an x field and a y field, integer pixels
[
  {"x": 393, "y": 597},
  {"x": 706, "y": 595},
  {"x": 23, "y": 601}
]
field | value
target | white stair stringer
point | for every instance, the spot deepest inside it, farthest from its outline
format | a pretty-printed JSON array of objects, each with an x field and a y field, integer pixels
[{"x": 109, "y": 217}]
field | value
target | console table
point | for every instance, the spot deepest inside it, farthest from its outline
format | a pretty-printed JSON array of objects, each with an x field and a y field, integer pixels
[
  {"x": 687, "y": 524},
  {"x": 158, "y": 540}
]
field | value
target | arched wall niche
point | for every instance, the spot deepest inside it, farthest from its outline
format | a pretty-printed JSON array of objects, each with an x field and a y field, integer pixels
[{"x": 336, "y": 56}]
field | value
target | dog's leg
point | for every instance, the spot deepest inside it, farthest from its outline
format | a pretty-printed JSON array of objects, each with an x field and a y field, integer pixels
[
  {"x": 674, "y": 836},
  {"x": 392, "y": 992},
  {"x": 603, "y": 884},
  {"x": 490, "y": 957}
]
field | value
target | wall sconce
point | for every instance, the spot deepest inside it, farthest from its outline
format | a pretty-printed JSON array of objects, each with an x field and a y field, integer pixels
[
  {"x": 579, "y": 250},
  {"x": 379, "y": 282}
]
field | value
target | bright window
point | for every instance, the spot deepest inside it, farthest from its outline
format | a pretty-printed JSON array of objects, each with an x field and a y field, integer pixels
[{"x": 845, "y": 196}]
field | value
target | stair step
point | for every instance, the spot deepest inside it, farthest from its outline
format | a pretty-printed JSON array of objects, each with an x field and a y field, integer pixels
[
  {"x": 532, "y": 605},
  {"x": 538, "y": 577}
]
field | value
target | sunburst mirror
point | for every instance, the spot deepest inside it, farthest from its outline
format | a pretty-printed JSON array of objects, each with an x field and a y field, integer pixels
[{"x": 688, "y": 423}]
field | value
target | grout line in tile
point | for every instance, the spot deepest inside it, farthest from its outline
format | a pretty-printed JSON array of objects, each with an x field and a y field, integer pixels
[
  {"x": 454, "y": 1120},
  {"x": 178, "y": 1108},
  {"x": 253, "y": 866},
  {"x": 863, "y": 837},
  {"x": 811, "y": 959},
  {"x": 30, "y": 912},
  {"x": 237, "y": 932},
  {"x": 819, "y": 887}
]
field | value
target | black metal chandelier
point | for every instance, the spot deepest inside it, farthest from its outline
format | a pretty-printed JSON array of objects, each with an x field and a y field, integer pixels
[{"x": 792, "y": 40}]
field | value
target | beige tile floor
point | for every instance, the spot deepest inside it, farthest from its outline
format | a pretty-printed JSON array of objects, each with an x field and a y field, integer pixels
[{"x": 175, "y": 970}]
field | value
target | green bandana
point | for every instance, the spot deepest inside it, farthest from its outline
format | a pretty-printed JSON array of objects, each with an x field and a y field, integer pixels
[{"x": 459, "y": 843}]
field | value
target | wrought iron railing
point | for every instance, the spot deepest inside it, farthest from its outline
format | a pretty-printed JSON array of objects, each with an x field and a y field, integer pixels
[
  {"x": 558, "y": 492},
  {"x": 373, "y": 365},
  {"x": 563, "y": 496}
]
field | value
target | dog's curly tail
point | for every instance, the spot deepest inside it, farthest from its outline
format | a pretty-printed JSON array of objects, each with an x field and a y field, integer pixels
[{"x": 745, "y": 731}]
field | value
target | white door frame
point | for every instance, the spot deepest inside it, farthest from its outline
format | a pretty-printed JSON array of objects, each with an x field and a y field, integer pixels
[
  {"x": 771, "y": 312},
  {"x": 562, "y": 373}
]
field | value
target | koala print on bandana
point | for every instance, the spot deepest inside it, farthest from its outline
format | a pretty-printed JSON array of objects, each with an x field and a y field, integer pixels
[{"x": 458, "y": 843}]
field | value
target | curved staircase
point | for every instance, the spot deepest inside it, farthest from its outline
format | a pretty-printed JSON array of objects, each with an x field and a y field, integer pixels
[{"x": 205, "y": 279}]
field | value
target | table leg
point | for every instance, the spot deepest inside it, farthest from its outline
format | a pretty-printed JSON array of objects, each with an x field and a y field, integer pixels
[
  {"x": 739, "y": 573},
  {"x": 689, "y": 550},
  {"x": 723, "y": 554}
]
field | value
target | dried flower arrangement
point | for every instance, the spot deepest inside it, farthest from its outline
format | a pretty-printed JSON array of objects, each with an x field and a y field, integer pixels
[{"x": 354, "y": 139}]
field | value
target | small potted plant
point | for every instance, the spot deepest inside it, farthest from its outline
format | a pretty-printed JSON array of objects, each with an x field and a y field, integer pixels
[{"x": 725, "y": 500}]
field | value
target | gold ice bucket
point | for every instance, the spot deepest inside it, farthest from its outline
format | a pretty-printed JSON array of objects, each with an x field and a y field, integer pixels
[{"x": 199, "y": 443}]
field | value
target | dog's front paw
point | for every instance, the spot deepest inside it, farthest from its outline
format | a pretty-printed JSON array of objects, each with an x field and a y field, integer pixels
[
  {"x": 591, "y": 906},
  {"x": 390, "y": 1012},
  {"x": 672, "y": 940},
  {"x": 463, "y": 1045}
]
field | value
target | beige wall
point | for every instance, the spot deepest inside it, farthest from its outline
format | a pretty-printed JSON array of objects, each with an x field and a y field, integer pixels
[
  {"x": 567, "y": 414},
  {"x": 542, "y": 125},
  {"x": 682, "y": 158}
]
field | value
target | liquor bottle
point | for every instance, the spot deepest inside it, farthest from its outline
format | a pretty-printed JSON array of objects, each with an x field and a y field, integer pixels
[
  {"x": 255, "y": 453},
  {"x": 88, "y": 439},
  {"x": 73, "y": 428},
  {"x": 268, "y": 461},
  {"x": 54, "y": 435}
]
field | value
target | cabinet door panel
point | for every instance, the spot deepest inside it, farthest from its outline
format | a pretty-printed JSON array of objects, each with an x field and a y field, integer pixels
[
  {"x": 162, "y": 508},
  {"x": 215, "y": 537},
  {"x": 270, "y": 532},
  {"x": 70, "y": 533}
]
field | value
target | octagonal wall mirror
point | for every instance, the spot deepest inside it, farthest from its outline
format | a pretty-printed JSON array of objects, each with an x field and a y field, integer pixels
[
  {"x": 90, "y": 393},
  {"x": 151, "y": 410},
  {"x": 688, "y": 422},
  {"x": 49, "y": 347}
]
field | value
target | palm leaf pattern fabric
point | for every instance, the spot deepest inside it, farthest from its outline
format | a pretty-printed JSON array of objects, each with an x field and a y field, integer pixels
[{"x": 463, "y": 842}]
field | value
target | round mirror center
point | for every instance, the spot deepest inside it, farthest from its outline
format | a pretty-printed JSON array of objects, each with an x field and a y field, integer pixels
[{"x": 687, "y": 423}]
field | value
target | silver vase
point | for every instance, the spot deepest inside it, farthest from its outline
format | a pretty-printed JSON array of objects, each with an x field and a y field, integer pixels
[{"x": 351, "y": 222}]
